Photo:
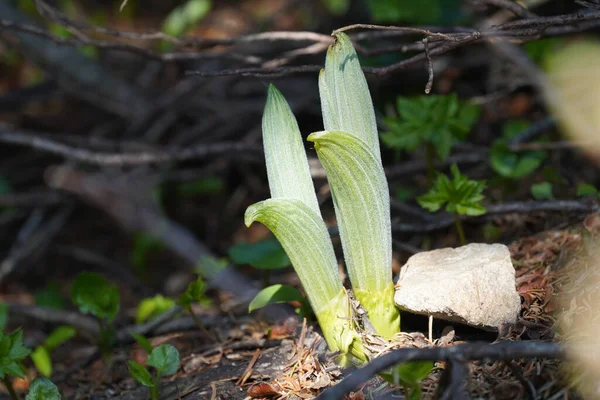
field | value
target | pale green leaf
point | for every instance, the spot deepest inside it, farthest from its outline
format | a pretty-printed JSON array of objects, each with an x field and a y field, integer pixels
[
  {"x": 275, "y": 294},
  {"x": 42, "y": 361},
  {"x": 287, "y": 165},
  {"x": 303, "y": 235},
  {"x": 59, "y": 336},
  {"x": 43, "y": 389},
  {"x": 165, "y": 358},
  {"x": 140, "y": 373},
  {"x": 152, "y": 307},
  {"x": 361, "y": 199},
  {"x": 345, "y": 99}
]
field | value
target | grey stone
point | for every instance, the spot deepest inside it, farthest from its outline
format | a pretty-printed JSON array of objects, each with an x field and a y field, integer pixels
[{"x": 473, "y": 285}]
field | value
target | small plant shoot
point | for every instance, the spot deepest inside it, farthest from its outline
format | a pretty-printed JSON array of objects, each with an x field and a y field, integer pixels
[
  {"x": 12, "y": 354},
  {"x": 195, "y": 293},
  {"x": 165, "y": 360},
  {"x": 93, "y": 294},
  {"x": 434, "y": 121},
  {"x": 460, "y": 196},
  {"x": 41, "y": 356},
  {"x": 151, "y": 307},
  {"x": 43, "y": 389}
]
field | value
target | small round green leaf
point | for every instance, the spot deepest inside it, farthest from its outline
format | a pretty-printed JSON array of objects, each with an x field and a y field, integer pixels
[
  {"x": 542, "y": 191},
  {"x": 140, "y": 373},
  {"x": 267, "y": 254},
  {"x": 275, "y": 294},
  {"x": 43, "y": 389},
  {"x": 165, "y": 358}
]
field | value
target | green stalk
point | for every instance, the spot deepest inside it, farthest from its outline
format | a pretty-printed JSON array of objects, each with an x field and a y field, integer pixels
[
  {"x": 361, "y": 200},
  {"x": 459, "y": 228},
  {"x": 9, "y": 386}
]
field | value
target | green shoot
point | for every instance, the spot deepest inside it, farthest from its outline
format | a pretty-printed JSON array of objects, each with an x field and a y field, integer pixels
[
  {"x": 142, "y": 342},
  {"x": 508, "y": 163},
  {"x": 542, "y": 191},
  {"x": 12, "y": 354},
  {"x": 41, "y": 356},
  {"x": 435, "y": 122},
  {"x": 195, "y": 293},
  {"x": 43, "y": 389},
  {"x": 461, "y": 196},
  {"x": 165, "y": 360},
  {"x": 93, "y": 294},
  {"x": 280, "y": 294},
  {"x": 151, "y": 307}
]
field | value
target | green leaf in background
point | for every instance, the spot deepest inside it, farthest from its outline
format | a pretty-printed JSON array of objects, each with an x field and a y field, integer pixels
[
  {"x": 434, "y": 119},
  {"x": 151, "y": 307},
  {"x": 50, "y": 296},
  {"x": 337, "y": 7},
  {"x": 409, "y": 375},
  {"x": 538, "y": 50},
  {"x": 511, "y": 164},
  {"x": 3, "y": 316},
  {"x": 165, "y": 358},
  {"x": 542, "y": 191},
  {"x": 266, "y": 254},
  {"x": 43, "y": 389},
  {"x": 143, "y": 342},
  {"x": 42, "y": 360},
  {"x": 585, "y": 189},
  {"x": 93, "y": 294},
  {"x": 59, "y": 336},
  {"x": 41, "y": 356},
  {"x": 144, "y": 246},
  {"x": 195, "y": 293},
  {"x": 405, "y": 193},
  {"x": 185, "y": 16},
  {"x": 275, "y": 294},
  {"x": 12, "y": 353},
  {"x": 460, "y": 194},
  {"x": 202, "y": 186},
  {"x": 423, "y": 12},
  {"x": 140, "y": 373}
]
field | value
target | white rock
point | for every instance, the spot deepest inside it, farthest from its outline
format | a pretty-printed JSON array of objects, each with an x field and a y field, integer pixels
[{"x": 473, "y": 285}]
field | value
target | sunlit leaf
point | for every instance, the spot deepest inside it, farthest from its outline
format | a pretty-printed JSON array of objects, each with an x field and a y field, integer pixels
[
  {"x": 275, "y": 294},
  {"x": 151, "y": 307},
  {"x": 140, "y": 373}
]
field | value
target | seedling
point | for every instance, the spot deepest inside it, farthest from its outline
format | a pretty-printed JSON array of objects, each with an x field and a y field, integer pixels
[
  {"x": 435, "y": 122},
  {"x": 12, "y": 354},
  {"x": 43, "y": 389},
  {"x": 195, "y": 293},
  {"x": 542, "y": 191},
  {"x": 461, "y": 196},
  {"x": 508, "y": 163},
  {"x": 93, "y": 294},
  {"x": 41, "y": 356},
  {"x": 165, "y": 360}
]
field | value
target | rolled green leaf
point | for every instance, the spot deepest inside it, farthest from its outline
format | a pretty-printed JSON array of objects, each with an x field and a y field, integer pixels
[
  {"x": 304, "y": 237},
  {"x": 361, "y": 199},
  {"x": 287, "y": 165},
  {"x": 345, "y": 99}
]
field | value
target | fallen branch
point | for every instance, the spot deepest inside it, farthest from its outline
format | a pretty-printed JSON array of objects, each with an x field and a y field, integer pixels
[{"x": 461, "y": 353}]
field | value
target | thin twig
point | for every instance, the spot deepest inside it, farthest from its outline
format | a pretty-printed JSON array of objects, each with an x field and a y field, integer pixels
[{"x": 58, "y": 317}]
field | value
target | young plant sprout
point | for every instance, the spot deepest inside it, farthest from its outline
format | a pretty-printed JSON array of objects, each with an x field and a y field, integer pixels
[
  {"x": 461, "y": 195},
  {"x": 165, "y": 360},
  {"x": 433, "y": 121},
  {"x": 43, "y": 389},
  {"x": 93, "y": 294},
  {"x": 12, "y": 354},
  {"x": 349, "y": 151}
]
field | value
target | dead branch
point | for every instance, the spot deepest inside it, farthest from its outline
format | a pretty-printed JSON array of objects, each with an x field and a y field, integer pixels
[
  {"x": 457, "y": 354},
  {"x": 45, "y": 143}
]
